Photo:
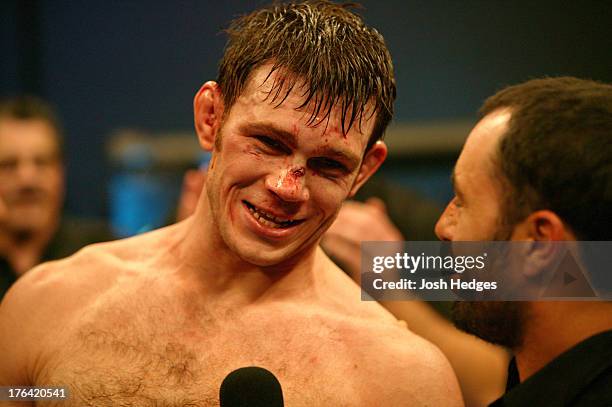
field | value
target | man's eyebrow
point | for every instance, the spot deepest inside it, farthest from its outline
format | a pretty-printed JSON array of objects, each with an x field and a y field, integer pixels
[{"x": 269, "y": 129}]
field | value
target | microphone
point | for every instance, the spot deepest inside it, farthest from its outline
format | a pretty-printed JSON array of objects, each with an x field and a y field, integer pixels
[{"x": 251, "y": 387}]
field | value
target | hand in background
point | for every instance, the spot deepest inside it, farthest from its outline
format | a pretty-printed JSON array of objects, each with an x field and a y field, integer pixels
[{"x": 355, "y": 223}]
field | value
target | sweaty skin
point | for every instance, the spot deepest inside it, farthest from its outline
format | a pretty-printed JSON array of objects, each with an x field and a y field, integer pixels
[
  {"x": 162, "y": 318},
  {"x": 140, "y": 331}
]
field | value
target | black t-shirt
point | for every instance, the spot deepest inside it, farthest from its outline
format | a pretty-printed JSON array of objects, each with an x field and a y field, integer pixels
[{"x": 579, "y": 377}]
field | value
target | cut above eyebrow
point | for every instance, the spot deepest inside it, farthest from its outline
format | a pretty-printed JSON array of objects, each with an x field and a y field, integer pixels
[{"x": 269, "y": 129}]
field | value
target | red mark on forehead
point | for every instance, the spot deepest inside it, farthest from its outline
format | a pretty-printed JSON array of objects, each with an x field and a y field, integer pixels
[{"x": 335, "y": 129}]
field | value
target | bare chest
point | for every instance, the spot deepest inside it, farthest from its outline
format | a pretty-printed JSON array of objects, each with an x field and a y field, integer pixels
[{"x": 158, "y": 357}]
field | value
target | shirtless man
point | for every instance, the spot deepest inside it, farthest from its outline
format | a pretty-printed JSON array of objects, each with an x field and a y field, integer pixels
[{"x": 294, "y": 120}]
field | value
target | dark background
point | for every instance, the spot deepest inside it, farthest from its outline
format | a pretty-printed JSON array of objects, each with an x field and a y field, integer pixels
[{"x": 137, "y": 64}]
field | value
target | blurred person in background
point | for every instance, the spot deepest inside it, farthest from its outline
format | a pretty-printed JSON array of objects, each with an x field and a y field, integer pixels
[{"x": 32, "y": 187}]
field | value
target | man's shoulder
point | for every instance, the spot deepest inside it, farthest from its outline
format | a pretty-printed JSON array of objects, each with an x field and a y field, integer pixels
[
  {"x": 63, "y": 286},
  {"x": 393, "y": 364},
  {"x": 388, "y": 358},
  {"x": 393, "y": 341},
  {"x": 345, "y": 297},
  {"x": 58, "y": 286}
]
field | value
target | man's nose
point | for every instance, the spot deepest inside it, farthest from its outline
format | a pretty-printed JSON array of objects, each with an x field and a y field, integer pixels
[
  {"x": 444, "y": 225},
  {"x": 27, "y": 171},
  {"x": 289, "y": 184}
]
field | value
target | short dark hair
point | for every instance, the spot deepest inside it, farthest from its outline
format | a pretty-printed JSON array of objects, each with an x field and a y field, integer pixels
[
  {"x": 27, "y": 107},
  {"x": 329, "y": 48},
  {"x": 557, "y": 152}
]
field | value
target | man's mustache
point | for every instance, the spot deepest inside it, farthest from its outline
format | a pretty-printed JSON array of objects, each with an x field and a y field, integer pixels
[{"x": 27, "y": 195}]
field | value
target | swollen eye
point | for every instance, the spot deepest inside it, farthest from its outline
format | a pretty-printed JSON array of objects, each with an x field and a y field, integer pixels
[
  {"x": 273, "y": 144},
  {"x": 327, "y": 164}
]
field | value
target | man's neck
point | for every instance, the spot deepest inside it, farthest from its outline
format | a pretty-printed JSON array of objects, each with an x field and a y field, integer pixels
[
  {"x": 208, "y": 262},
  {"x": 24, "y": 249},
  {"x": 22, "y": 255},
  {"x": 554, "y": 327}
]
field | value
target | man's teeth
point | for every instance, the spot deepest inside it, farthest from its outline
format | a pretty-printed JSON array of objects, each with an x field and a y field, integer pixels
[{"x": 269, "y": 220}]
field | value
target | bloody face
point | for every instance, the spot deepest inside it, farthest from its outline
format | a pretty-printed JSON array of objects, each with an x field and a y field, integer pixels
[{"x": 275, "y": 182}]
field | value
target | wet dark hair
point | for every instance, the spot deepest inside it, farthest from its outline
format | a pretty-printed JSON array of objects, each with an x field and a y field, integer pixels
[
  {"x": 27, "y": 107},
  {"x": 320, "y": 47},
  {"x": 557, "y": 152}
]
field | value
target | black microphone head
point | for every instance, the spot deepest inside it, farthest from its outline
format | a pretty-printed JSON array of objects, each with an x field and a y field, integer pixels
[{"x": 251, "y": 387}]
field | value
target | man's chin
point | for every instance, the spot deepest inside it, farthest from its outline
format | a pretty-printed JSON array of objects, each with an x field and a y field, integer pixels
[
  {"x": 498, "y": 322},
  {"x": 265, "y": 257},
  {"x": 262, "y": 253}
]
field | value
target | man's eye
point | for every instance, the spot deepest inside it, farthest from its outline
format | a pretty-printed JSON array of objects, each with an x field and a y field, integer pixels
[
  {"x": 457, "y": 202},
  {"x": 273, "y": 144},
  {"x": 327, "y": 165},
  {"x": 47, "y": 161},
  {"x": 8, "y": 165}
]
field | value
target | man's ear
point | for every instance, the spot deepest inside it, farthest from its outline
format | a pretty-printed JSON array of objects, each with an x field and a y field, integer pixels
[
  {"x": 542, "y": 229},
  {"x": 542, "y": 225},
  {"x": 371, "y": 162},
  {"x": 208, "y": 113}
]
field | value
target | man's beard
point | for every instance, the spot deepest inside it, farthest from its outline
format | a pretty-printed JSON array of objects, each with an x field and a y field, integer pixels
[{"x": 498, "y": 322}]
